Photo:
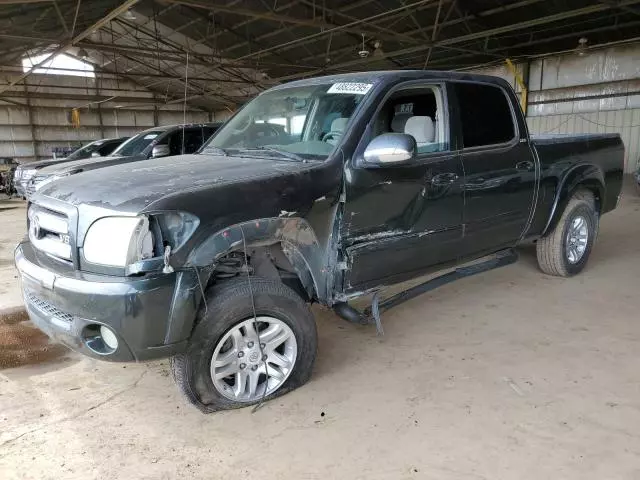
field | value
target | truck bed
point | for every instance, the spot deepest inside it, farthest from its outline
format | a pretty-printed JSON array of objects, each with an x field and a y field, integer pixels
[{"x": 560, "y": 153}]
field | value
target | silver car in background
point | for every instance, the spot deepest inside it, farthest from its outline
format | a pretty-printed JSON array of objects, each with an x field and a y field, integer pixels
[{"x": 99, "y": 148}]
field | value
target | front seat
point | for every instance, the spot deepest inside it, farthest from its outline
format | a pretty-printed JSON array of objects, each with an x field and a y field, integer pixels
[
  {"x": 399, "y": 121},
  {"x": 422, "y": 129},
  {"x": 338, "y": 127}
]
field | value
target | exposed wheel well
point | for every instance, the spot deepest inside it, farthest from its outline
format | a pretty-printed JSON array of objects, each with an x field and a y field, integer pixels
[
  {"x": 267, "y": 261},
  {"x": 595, "y": 189}
]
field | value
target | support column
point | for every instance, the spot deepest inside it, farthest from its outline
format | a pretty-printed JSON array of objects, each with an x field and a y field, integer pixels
[
  {"x": 156, "y": 116},
  {"x": 34, "y": 143},
  {"x": 102, "y": 134}
]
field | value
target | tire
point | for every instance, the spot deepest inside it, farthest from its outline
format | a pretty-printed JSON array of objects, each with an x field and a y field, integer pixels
[
  {"x": 553, "y": 255},
  {"x": 228, "y": 307}
]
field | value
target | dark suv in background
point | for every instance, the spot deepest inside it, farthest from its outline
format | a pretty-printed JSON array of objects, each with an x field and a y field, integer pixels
[
  {"x": 99, "y": 148},
  {"x": 152, "y": 143}
]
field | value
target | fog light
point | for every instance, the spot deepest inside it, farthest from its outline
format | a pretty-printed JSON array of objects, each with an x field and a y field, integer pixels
[{"x": 108, "y": 337}]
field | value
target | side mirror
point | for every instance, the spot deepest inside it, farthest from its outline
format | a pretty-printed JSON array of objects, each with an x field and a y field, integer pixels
[
  {"x": 95, "y": 154},
  {"x": 160, "y": 151},
  {"x": 390, "y": 149}
]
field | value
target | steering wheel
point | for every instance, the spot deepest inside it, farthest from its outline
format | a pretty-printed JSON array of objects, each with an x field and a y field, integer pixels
[{"x": 335, "y": 135}]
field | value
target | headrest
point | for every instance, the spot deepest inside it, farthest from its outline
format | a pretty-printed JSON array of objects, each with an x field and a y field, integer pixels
[{"x": 421, "y": 128}]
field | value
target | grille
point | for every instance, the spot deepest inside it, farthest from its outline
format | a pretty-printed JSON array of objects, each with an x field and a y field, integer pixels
[
  {"x": 49, "y": 232},
  {"x": 49, "y": 309}
]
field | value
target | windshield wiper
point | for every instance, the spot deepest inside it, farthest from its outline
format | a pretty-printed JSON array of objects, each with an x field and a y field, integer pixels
[{"x": 284, "y": 153}]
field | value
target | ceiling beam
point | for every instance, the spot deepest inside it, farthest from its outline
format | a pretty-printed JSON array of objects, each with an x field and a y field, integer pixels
[
  {"x": 618, "y": 5},
  {"x": 460, "y": 39},
  {"x": 64, "y": 46},
  {"x": 336, "y": 29},
  {"x": 201, "y": 57},
  {"x": 455, "y": 21},
  {"x": 286, "y": 19},
  {"x": 15, "y": 2},
  {"x": 109, "y": 74},
  {"x": 446, "y": 62},
  {"x": 479, "y": 15}
]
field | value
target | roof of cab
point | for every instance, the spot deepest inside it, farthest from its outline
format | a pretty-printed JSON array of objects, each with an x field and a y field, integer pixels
[
  {"x": 165, "y": 128},
  {"x": 392, "y": 76}
]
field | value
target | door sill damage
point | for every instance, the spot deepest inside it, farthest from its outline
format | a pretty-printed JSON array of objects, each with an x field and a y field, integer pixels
[{"x": 371, "y": 314}]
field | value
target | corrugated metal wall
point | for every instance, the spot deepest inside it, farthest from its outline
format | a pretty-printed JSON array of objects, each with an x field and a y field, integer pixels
[
  {"x": 625, "y": 122},
  {"x": 598, "y": 92},
  {"x": 41, "y": 123}
]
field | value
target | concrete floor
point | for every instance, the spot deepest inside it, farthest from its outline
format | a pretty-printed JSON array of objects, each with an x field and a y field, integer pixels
[
  {"x": 511, "y": 374},
  {"x": 13, "y": 224}
]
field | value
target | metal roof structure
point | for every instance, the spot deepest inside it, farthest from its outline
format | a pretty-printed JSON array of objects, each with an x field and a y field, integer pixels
[{"x": 219, "y": 53}]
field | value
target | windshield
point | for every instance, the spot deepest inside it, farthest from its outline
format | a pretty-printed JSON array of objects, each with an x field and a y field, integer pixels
[
  {"x": 85, "y": 152},
  {"x": 136, "y": 145},
  {"x": 297, "y": 123}
]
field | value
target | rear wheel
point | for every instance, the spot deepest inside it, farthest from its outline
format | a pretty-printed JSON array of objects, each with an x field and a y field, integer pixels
[
  {"x": 564, "y": 251},
  {"x": 234, "y": 360}
]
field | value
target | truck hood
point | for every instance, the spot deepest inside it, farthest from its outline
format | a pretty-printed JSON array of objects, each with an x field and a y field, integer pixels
[
  {"x": 85, "y": 164},
  {"x": 133, "y": 188},
  {"x": 43, "y": 163}
]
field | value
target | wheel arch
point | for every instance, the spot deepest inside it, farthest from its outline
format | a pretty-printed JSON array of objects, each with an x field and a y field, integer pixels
[
  {"x": 294, "y": 235},
  {"x": 585, "y": 176}
]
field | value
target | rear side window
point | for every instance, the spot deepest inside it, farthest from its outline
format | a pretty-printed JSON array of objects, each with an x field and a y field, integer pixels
[
  {"x": 192, "y": 140},
  {"x": 107, "y": 148},
  {"x": 485, "y": 115}
]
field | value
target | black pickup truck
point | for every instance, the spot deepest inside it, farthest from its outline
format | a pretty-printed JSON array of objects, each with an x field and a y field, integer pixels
[{"x": 321, "y": 190}]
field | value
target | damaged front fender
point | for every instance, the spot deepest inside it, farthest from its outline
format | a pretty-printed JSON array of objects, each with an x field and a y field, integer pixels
[{"x": 297, "y": 238}]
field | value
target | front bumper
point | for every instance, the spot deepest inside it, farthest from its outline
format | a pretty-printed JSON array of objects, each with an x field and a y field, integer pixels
[{"x": 151, "y": 316}]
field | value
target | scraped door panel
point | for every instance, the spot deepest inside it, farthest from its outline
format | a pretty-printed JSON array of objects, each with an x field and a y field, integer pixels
[{"x": 402, "y": 221}]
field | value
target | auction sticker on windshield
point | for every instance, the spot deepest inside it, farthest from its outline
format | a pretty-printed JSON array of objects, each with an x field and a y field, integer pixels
[
  {"x": 150, "y": 136},
  {"x": 350, "y": 88}
]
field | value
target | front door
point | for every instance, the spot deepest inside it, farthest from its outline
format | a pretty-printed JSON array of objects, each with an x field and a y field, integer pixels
[
  {"x": 499, "y": 169},
  {"x": 401, "y": 221}
]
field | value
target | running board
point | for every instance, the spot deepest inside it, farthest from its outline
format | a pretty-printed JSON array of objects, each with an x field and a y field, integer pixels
[{"x": 372, "y": 313}]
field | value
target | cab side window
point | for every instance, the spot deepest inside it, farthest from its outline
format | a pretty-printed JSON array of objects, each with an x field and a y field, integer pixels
[
  {"x": 192, "y": 140},
  {"x": 416, "y": 111},
  {"x": 107, "y": 148},
  {"x": 485, "y": 115}
]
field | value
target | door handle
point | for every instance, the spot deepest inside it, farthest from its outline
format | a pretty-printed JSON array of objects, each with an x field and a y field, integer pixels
[
  {"x": 444, "y": 179},
  {"x": 525, "y": 165}
]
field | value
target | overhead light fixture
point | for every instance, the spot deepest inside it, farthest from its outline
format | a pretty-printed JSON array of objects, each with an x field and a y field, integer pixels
[
  {"x": 82, "y": 53},
  {"x": 581, "y": 49},
  {"x": 129, "y": 15},
  {"x": 364, "y": 53}
]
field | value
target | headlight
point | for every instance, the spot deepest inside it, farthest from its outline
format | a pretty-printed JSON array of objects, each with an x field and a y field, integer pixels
[
  {"x": 118, "y": 241},
  {"x": 176, "y": 227}
]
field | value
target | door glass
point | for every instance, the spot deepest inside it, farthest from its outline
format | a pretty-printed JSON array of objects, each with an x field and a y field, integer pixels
[
  {"x": 485, "y": 115},
  {"x": 192, "y": 140},
  {"x": 174, "y": 140},
  {"x": 416, "y": 111}
]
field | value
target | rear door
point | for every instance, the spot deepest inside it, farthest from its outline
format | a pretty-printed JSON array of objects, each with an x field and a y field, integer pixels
[{"x": 499, "y": 168}]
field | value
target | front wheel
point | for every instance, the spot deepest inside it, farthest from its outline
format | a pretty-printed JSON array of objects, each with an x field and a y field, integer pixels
[
  {"x": 233, "y": 359},
  {"x": 564, "y": 251}
]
